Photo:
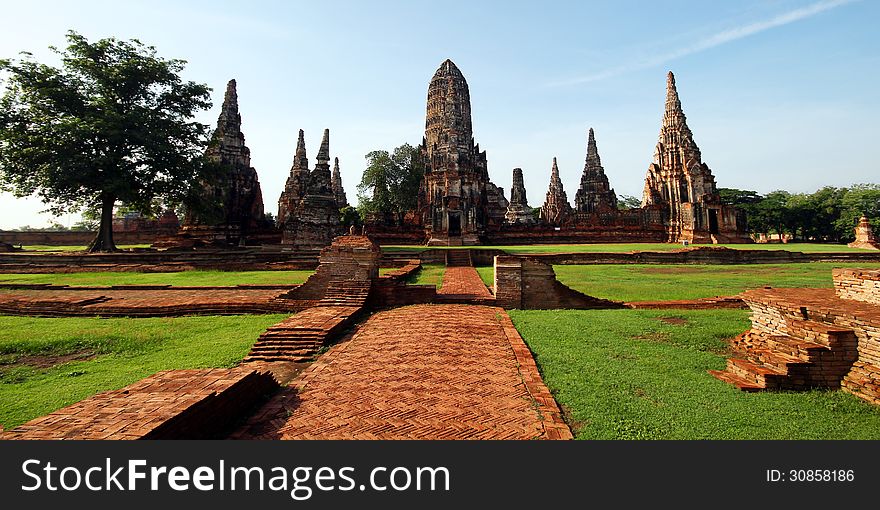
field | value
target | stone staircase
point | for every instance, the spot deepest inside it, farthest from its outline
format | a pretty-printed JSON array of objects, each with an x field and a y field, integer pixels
[
  {"x": 812, "y": 355},
  {"x": 458, "y": 258}
]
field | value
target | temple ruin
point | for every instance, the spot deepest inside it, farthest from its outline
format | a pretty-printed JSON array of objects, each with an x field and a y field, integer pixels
[
  {"x": 683, "y": 186},
  {"x": 311, "y": 221},
  {"x": 556, "y": 209},
  {"x": 594, "y": 194},
  {"x": 459, "y": 205},
  {"x": 232, "y": 209},
  {"x": 518, "y": 210},
  {"x": 864, "y": 236},
  {"x": 457, "y": 202}
]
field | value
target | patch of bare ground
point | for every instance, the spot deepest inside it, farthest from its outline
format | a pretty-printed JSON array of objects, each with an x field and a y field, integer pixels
[{"x": 47, "y": 360}]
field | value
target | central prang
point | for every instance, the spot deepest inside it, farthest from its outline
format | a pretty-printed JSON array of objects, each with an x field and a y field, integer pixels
[{"x": 457, "y": 202}]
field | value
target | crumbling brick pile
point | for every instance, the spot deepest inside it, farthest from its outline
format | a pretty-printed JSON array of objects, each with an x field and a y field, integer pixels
[{"x": 812, "y": 338}]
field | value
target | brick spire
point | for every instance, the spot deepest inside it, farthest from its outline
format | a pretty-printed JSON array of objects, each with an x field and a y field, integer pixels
[
  {"x": 338, "y": 190},
  {"x": 556, "y": 207},
  {"x": 595, "y": 192}
]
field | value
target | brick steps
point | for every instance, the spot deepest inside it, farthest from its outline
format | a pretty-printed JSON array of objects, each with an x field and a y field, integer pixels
[
  {"x": 458, "y": 258},
  {"x": 815, "y": 354},
  {"x": 302, "y": 336}
]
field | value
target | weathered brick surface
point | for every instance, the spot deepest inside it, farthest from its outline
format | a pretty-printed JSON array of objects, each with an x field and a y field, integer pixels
[
  {"x": 418, "y": 372},
  {"x": 527, "y": 284},
  {"x": 347, "y": 258},
  {"x": 462, "y": 284},
  {"x": 145, "y": 301},
  {"x": 175, "y": 404},
  {"x": 857, "y": 284},
  {"x": 802, "y": 338}
]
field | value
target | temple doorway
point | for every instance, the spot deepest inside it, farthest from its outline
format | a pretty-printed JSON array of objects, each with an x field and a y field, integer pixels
[
  {"x": 713, "y": 221},
  {"x": 454, "y": 219}
]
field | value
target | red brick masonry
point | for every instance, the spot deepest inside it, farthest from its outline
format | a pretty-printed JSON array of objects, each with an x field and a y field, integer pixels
[
  {"x": 175, "y": 404},
  {"x": 805, "y": 338},
  {"x": 418, "y": 372}
]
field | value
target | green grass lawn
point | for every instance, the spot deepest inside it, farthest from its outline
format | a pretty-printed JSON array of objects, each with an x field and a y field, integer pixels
[
  {"x": 123, "y": 351},
  {"x": 183, "y": 278},
  {"x": 625, "y": 247},
  {"x": 429, "y": 274},
  {"x": 45, "y": 247},
  {"x": 487, "y": 274},
  {"x": 625, "y": 374},
  {"x": 650, "y": 282}
]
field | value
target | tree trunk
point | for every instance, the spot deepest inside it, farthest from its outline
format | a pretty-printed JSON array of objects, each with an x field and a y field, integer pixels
[{"x": 104, "y": 240}]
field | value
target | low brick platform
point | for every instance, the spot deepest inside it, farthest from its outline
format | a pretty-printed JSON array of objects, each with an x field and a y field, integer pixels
[
  {"x": 175, "y": 404},
  {"x": 418, "y": 372},
  {"x": 811, "y": 338},
  {"x": 146, "y": 301}
]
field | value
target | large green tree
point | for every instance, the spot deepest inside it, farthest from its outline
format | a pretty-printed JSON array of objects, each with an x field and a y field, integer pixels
[
  {"x": 113, "y": 124},
  {"x": 390, "y": 184}
]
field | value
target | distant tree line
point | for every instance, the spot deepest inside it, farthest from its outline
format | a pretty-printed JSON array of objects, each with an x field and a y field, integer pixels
[{"x": 827, "y": 215}]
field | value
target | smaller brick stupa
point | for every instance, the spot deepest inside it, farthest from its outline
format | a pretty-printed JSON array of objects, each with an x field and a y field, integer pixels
[
  {"x": 864, "y": 236},
  {"x": 556, "y": 209},
  {"x": 518, "y": 211}
]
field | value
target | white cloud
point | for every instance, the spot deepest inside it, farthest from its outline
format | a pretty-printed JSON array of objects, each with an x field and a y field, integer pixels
[{"x": 718, "y": 39}]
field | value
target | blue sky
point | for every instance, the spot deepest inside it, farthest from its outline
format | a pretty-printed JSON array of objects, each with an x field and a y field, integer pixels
[{"x": 780, "y": 94}]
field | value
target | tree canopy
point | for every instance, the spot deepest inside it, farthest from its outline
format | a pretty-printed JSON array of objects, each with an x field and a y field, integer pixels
[
  {"x": 828, "y": 214},
  {"x": 390, "y": 184},
  {"x": 112, "y": 124}
]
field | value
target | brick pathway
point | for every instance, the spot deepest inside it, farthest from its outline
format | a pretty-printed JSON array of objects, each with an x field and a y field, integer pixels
[
  {"x": 463, "y": 283},
  {"x": 418, "y": 372}
]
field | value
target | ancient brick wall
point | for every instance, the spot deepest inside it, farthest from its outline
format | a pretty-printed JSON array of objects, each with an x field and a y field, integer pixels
[
  {"x": 857, "y": 284},
  {"x": 531, "y": 285},
  {"x": 849, "y": 328},
  {"x": 68, "y": 238}
]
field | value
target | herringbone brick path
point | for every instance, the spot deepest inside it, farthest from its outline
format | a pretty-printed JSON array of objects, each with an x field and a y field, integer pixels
[
  {"x": 418, "y": 372},
  {"x": 463, "y": 283}
]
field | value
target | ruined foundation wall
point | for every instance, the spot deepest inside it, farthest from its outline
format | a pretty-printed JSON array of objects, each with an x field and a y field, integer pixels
[
  {"x": 526, "y": 284},
  {"x": 857, "y": 284}
]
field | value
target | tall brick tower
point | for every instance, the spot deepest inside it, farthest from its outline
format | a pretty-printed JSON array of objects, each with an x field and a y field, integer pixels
[
  {"x": 237, "y": 193},
  {"x": 457, "y": 202},
  {"x": 683, "y": 187},
  {"x": 595, "y": 193}
]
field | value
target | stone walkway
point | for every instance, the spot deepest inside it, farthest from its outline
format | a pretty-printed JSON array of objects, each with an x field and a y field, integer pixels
[{"x": 418, "y": 372}]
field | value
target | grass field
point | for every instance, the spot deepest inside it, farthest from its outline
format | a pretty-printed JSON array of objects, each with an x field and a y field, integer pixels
[
  {"x": 641, "y": 374},
  {"x": 429, "y": 274},
  {"x": 649, "y": 282},
  {"x": 94, "y": 355},
  {"x": 625, "y": 247},
  {"x": 183, "y": 278},
  {"x": 487, "y": 274}
]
